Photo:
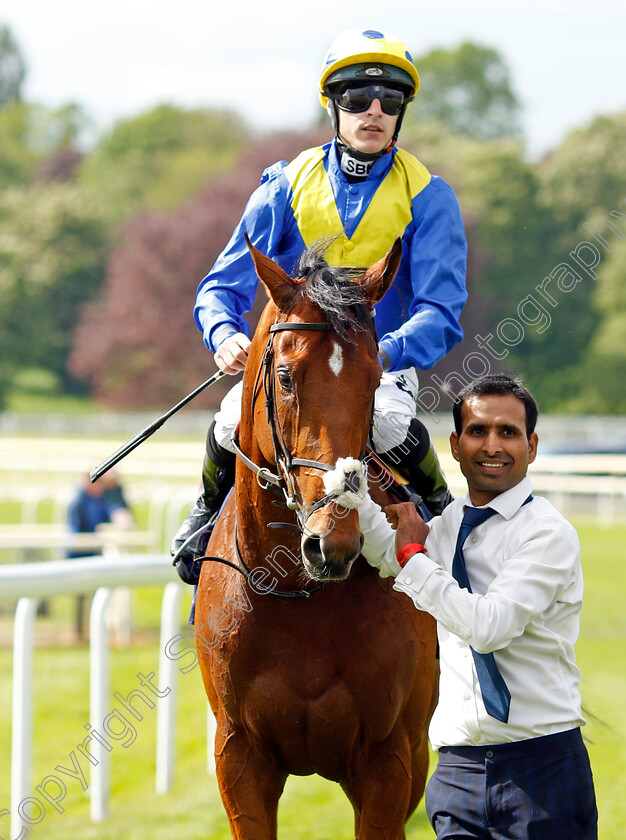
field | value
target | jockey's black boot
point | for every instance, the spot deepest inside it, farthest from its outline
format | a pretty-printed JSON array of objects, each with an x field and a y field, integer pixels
[
  {"x": 218, "y": 475},
  {"x": 417, "y": 461}
]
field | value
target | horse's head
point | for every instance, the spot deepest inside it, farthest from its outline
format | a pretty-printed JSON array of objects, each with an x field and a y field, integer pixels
[{"x": 309, "y": 388}]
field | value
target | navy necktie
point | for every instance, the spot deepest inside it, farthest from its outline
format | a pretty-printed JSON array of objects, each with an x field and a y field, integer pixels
[{"x": 496, "y": 695}]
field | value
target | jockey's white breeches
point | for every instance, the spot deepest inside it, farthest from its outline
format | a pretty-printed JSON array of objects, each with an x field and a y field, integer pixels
[{"x": 394, "y": 408}]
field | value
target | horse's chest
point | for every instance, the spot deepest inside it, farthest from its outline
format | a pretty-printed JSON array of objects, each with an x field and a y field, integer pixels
[
  {"x": 326, "y": 689},
  {"x": 307, "y": 711},
  {"x": 313, "y": 681}
]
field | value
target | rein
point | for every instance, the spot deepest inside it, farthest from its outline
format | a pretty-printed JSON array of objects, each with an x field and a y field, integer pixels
[{"x": 241, "y": 567}]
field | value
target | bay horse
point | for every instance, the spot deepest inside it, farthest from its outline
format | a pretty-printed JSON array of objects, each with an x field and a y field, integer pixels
[{"x": 311, "y": 662}]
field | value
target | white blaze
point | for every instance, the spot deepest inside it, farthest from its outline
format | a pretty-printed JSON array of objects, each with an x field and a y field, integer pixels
[{"x": 336, "y": 359}]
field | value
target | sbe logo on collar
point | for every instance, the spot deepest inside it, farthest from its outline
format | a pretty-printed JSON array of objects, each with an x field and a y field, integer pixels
[{"x": 353, "y": 166}]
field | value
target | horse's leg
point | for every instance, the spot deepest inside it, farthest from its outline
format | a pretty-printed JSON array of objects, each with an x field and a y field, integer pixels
[
  {"x": 421, "y": 756},
  {"x": 381, "y": 791},
  {"x": 250, "y": 786},
  {"x": 419, "y": 773}
]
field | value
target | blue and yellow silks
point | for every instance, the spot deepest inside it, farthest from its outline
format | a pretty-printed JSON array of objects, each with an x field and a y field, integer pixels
[
  {"x": 384, "y": 218},
  {"x": 310, "y": 198}
]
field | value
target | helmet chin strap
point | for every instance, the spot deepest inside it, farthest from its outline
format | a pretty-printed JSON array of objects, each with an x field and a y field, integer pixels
[{"x": 353, "y": 161}]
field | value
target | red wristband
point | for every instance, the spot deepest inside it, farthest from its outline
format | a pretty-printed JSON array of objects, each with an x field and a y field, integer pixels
[{"x": 408, "y": 551}]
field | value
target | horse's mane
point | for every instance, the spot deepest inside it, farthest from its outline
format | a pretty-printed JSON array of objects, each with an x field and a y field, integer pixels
[{"x": 333, "y": 289}]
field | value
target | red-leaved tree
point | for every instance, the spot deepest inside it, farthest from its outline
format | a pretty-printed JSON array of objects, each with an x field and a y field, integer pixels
[{"x": 137, "y": 345}]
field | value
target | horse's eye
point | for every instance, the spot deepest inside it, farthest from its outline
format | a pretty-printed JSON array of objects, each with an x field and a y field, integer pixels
[{"x": 284, "y": 380}]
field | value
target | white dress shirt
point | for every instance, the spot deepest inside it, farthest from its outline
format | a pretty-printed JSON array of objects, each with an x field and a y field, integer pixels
[{"x": 527, "y": 585}]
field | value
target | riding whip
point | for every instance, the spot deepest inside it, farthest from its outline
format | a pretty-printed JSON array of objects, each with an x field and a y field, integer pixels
[{"x": 144, "y": 434}]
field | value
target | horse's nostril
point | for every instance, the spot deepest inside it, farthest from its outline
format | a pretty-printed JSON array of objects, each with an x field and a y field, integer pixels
[
  {"x": 312, "y": 548},
  {"x": 326, "y": 562}
]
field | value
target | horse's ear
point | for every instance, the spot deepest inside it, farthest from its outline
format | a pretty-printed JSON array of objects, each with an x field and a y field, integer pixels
[
  {"x": 279, "y": 284},
  {"x": 379, "y": 276}
]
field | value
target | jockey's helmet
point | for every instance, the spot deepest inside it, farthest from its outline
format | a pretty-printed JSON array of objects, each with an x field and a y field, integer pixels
[{"x": 368, "y": 57}]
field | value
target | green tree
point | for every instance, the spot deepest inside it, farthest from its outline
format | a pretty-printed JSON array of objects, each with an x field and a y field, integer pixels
[
  {"x": 586, "y": 173},
  {"x": 18, "y": 160},
  {"x": 580, "y": 183},
  {"x": 510, "y": 249},
  {"x": 601, "y": 378},
  {"x": 32, "y": 134},
  {"x": 524, "y": 221},
  {"x": 52, "y": 258},
  {"x": 57, "y": 129},
  {"x": 160, "y": 158},
  {"x": 468, "y": 90},
  {"x": 12, "y": 67}
]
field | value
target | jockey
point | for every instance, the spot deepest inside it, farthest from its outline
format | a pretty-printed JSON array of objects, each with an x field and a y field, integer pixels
[{"x": 362, "y": 192}]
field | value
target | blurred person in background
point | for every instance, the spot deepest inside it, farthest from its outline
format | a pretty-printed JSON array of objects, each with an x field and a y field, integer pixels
[
  {"x": 113, "y": 492},
  {"x": 95, "y": 504}
]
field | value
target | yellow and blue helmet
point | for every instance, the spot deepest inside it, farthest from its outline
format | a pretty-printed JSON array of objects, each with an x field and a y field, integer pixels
[{"x": 368, "y": 56}]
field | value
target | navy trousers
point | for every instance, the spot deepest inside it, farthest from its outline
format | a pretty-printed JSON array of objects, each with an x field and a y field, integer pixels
[{"x": 539, "y": 789}]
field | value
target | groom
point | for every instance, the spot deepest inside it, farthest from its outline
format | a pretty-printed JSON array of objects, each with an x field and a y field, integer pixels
[{"x": 500, "y": 570}]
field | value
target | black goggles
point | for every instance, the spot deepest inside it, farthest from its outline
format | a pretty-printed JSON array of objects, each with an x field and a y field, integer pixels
[{"x": 359, "y": 99}]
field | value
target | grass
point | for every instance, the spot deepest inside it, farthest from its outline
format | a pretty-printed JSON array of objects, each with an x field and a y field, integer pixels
[
  {"x": 310, "y": 807},
  {"x": 600, "y": 653},
  {"x": 36, "y": 391}
]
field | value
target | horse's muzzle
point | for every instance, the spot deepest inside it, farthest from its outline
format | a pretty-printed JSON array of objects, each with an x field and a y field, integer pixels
[{"x": 330, "y": 559}]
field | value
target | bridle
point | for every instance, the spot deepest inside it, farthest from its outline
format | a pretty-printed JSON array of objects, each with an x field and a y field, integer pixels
[{"x": 282, "y": 480}]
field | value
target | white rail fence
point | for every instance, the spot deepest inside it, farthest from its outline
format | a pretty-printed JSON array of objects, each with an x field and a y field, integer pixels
[
  {"x": 27, "y": 583},
  {"x": 40, "y": 505},
  {"x": 595, "y": 484},
  {"x": 37, "y": 476},
  {"x": 163, "y": 478}
]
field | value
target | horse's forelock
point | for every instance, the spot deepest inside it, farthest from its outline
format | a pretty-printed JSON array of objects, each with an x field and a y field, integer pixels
[{"x": 333, "y": 289}]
